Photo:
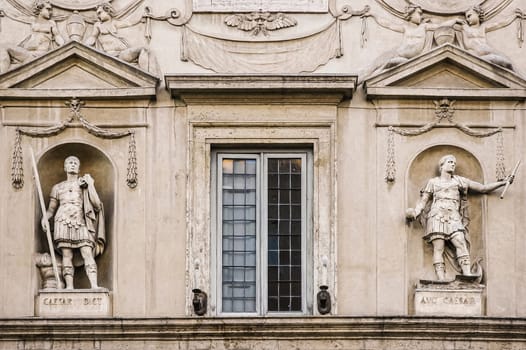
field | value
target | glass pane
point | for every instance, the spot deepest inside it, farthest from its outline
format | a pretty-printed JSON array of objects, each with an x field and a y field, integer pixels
[
  {"x": 239, "y": 166},
  {"x": 272, "y": 242},
  {"x": 250, "y": 214},
  {"x": 228, "y": 181},
  {"x": 250, "y": 166},
  {"x": 227, "y": 291},
  {"x": 250, "y": 305},
  {"x": 227, "y": 305},
  {"x": 228, "y": 166},
  {"x": 239, "y": 259},
  {"x": 284, "y": 166},
  {"x": 228, "y": 197},
  {"x": 284, "y": 196},
  {"x": 228, "y": 213},
  {"x": 227, "y": 259},
  {"x": 250, "y": 197},
  {"x": 239, "y": 229},
  {"x": 250, "y": 229},
  {"x": 228, "y": 228},
  {"x": 251, "y": 182},
  {"x": 273, "y": 165},
  {"x": 295, "y": 196},
  {"x": 250, "y": 276},
  {"x": 284, "y": 234},
  {"x": 273, "y": 196}
]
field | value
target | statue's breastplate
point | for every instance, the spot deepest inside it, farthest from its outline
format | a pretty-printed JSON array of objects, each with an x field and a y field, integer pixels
[
  {"x": 70, "y": 205},
  {"x": 446, "y": 201}
]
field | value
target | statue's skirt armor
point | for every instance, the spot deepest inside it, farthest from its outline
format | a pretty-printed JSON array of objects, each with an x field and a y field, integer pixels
[
  {"x": 70, "y": 225},
  {"x": 444, "y": 218}
]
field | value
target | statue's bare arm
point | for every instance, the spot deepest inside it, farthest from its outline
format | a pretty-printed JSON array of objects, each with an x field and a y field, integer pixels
[
  {"x": 487, "y": 188},
  {"x": 127, "y": 23},
  {"x": 388, "y": 24},
  {"x": 412, "y": 214},
  {"x": 56, "y": 35},
  {"x": 90, "y": 41},
  {"x": 52, "y": 208},
  {"x": 505, "y": 21}
]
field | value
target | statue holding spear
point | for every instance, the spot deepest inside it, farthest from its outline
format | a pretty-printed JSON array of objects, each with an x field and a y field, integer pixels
[{"x": 78, "y": 222}]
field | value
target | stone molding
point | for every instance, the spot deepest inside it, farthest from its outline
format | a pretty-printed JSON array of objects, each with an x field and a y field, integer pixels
[
  {"x": 485, "y": 329},
  {"x": 112, "y": 77},
  {"x": 221, "y": 89}
]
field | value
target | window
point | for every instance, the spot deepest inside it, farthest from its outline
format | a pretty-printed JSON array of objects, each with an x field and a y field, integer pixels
[{"x": 261, "y": 232}]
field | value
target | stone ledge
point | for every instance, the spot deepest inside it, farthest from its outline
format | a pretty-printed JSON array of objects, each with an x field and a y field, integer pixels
[
  {"x": 291, "y": 328},
  {"x": 246, "y": 88}
]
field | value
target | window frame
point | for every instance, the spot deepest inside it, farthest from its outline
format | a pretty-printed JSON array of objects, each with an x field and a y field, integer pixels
[{"x": 262, "y": 156}]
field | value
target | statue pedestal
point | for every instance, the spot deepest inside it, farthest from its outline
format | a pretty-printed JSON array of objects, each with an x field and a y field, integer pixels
[
  {"x": 73, "y": 303},
  {"x": 455, "y": 298}
]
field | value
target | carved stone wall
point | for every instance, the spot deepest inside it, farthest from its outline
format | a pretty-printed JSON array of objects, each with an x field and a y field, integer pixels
[{"x": 375, "y": 91}]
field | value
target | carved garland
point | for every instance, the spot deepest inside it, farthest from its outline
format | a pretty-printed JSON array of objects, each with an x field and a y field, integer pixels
[
  {"x": 17, "y": 172},
  {"x": 444, "y": 110}
]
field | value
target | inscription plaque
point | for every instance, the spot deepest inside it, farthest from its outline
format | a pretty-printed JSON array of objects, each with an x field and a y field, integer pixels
[
  {"x": 444, "y": 302},
  {"x": 260, "y": 5},
  {"x": 74, "y": 303}
]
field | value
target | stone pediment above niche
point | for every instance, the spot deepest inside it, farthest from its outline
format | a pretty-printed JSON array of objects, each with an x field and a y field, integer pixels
[
  {"x": 77, "y": 70},
  {"x": 447, "y": 71}
]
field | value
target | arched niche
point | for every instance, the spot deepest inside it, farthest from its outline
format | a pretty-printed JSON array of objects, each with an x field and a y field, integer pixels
[
  {"x": 94, "y": 162},
  {"x": 423, "y": 167}
]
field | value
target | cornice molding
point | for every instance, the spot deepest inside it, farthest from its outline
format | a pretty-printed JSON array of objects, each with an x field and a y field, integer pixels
[
  {"x": 231, "y": 89},
  {"x": 272, "y": 328}
]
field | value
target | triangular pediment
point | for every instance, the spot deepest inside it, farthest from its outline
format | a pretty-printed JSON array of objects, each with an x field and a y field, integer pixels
[
  {"x": 77, "y": 70},
  {"x": 446, "y": 71}
]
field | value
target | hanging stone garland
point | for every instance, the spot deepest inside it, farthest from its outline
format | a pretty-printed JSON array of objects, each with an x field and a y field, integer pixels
[
  {"x": 17, "y": 172},
  {"x": 443, "y": 110}
]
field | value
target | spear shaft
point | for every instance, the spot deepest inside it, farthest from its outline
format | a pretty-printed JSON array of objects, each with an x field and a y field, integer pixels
[
  {"x": 44, "y": 214},
  {"x": 513, "y": 173}
]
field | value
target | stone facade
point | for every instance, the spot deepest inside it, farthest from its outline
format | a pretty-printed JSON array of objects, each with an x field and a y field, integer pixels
[{"x": 358, "y": 100}]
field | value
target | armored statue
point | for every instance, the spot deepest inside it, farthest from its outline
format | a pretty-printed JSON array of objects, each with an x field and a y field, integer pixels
[
  {"x": 78, "y": 221},
  {"x": 443, "y": 209}
]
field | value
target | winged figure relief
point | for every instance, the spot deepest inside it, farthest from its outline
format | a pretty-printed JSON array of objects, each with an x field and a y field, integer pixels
[{"x": 260, "y": 22}]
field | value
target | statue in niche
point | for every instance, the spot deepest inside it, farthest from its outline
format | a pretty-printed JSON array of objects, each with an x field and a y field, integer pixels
[
  {"x": 78, "y": 221},
  {"x": 474, "y": 29},
  {"x": 414, "y": 41},
  {"x": 44, "y": 37},
  {"x": 442, "y": 208},
  {"x": 105, "y": 36}
]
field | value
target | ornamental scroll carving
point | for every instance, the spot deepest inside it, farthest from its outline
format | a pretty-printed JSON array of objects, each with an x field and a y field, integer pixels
[
  {"x": 444, "y": 109},
  {"x": 75, "y": 105}
]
